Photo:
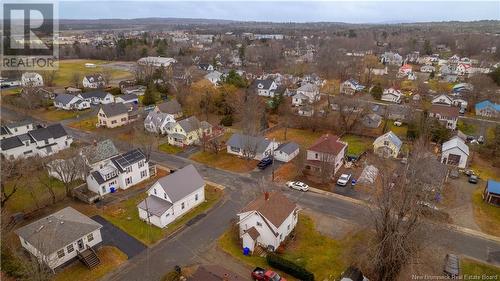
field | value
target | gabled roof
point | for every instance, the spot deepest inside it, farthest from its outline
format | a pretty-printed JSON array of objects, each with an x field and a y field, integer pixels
[
  {"x": 128, "y": 97},
  {"x": 53, "y": 131},
  {"x": 181, "y": 183},
  {"x": 98, "y": 94},
  {"x": 114, "y": 109},
  {"x": 328, "y": 144},
  {"x": 99, "y": 151},
  {"x": 455, "y": 142},
  {"x": 308, "y": 87},
  {"x": 487, "y": 103},
  {"x": 12, "y": 142},
  {"x": 56, "y": 231},
  {"x": 275, "y": 209},
  {"x": 190, "y": 124},
  {"x": 288, "y": 147},
  {"x": 155, "y": 205},
  {"x": 245, "y": 142},
  {"x": 96, "y": 77},
  {"x": 443, "y": 110},
  {"x": 392, "y": 138},
  {"x": 64, "y": 98},
  {"x": 266, "y": 83},
  {"x": 126, "y": 159},
  {"x": 170, "y": 107}
]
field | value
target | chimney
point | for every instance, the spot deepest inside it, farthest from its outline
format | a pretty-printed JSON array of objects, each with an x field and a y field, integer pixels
[
  {"x": 266, "y": 195},
  {"x": 226, "y": 277}
]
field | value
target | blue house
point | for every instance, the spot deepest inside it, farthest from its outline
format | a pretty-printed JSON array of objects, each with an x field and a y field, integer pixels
[
  {"x": 487, "y": 108},
  {"x": 491, "y": 192}
]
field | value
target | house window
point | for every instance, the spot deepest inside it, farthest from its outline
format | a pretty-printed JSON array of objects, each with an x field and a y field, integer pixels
[
  {"x": 103, "y": 189},
  {"x": 259, "y": 223},
  {"x": 60, "y": 253},
  {"x": 141, "y": 164},
  {"x": 144, "y": 174},
  {"x": 182, "y": 205},
  {"x": 386, "y": 143},
  {"x": 70, "y": 248},
  {"x": 90, "y": 237},
  {"x": 128, "y": 180},
  {"x": 316, "y": 155},
  {"x": 154, "y": 191},
  {"x": 129, "y": 169},
  {"x": 113, "y": 122},
  {"x": 165, "y": 195},
  {"x": 235, "y": 149},
  {"x": 196, "y": 197},
  {"x": 281, "y": 236},
  {"x": 288, "y": 227}
]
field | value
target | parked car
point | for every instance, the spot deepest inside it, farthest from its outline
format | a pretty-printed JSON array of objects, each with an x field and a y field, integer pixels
[
  {"x": 264, "y": 163},
  {"x": 343, "y": 179},
  {"x": 470, "y": 172},
  {"x": 451, "y": 266},
  {"x": 297, "y": 185},
  {"x": 473, "y": 179},
  {"x": 462, "y": 111},
  {"x": 261, "y": 274},
  {"x": 398, "y": 123}
]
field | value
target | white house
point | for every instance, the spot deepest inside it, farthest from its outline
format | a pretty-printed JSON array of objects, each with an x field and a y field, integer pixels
[
  {"x": 97, "y": 97},
  {"x": 391, "y": 58},
  {"x": 214, "y": 77},
  {"x": 267, "y": 221},
  {"x": 427, "y": 68},
  {"x": 127, "y": 98},
  {"x": 31, "y": 79},
  {"x": 442, "y": 100},
  {"x": 392, "y": 95},
  {"x": 60, "y": 237},
  {"x": 387, "y": 145},
  {"x": 41, "y": 142},
  {"x": 299, "y": 99},
  {"x": 156, "y": 61},
  {"x": 265, "y": 87},
  {"x": 249, "y": 146},
  {"x": 99, "y": 154},
  {"x": 455, "y": 152},
  {"x": 448, "y": 115},
  {"x": 93, "y": 81},
  {"x": 156, "y": 122},
  {"x": 311, "y": 91},
  {"x": 70, "y": 102},
  {"x": 286, "y": 151},
  {"x": 15, "y": 129},
  {"x": 350, "y": 87},
  {"x": 172, "y": 196}
]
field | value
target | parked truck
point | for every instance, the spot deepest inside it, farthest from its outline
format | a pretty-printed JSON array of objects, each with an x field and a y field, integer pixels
[{"x": 261, "y": 274}]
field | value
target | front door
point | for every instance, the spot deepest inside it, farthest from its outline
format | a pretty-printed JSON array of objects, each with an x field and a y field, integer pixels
[{"x": 80, "y": 244}]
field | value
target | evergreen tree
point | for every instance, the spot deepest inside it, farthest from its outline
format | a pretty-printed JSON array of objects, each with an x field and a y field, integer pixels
[
  {"x": 151, "y": 95},
  {"x": 377, "y": 91}
]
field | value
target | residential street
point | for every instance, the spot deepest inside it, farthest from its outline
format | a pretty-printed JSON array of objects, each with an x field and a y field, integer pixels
[{"x": 188, "y": 246}]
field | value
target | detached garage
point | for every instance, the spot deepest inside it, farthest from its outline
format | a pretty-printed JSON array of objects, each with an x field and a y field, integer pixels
[
  {"x": 491, "y": 193},
  {"x": 286, "y": 151},
  {"x": 455, "y": 152}
]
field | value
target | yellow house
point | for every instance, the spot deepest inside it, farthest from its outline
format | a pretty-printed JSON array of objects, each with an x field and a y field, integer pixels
[
  {"x": 188, "y": 131},
  {"x": 115, "y": 115},
  {"x": 387, "y": 145}
]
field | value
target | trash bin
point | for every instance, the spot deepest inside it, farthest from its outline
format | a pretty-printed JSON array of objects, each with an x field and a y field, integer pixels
[
  {"x": 246, "y": 251},
  {"x": 112, "y": 189},
  {"x": 353, "y": 182}
]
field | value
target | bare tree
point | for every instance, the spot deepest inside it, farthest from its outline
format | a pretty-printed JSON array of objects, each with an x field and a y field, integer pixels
[
  {"x": 76, "y": 79},
  {"x": 396, "y": 214},
  {"x": 12, "y": 173},
  {"x": 48, "y": 78},
  {"x": 68, "y": 167},
  {"x": 350, "y": 112},
  {"x": 326, "y": 166},
  {"x": 146, "y": 142}
]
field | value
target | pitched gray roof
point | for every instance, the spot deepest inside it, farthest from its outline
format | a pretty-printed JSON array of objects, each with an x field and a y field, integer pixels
[
  {"x": 245, "y": 142},
  {"x": 266, "y": 83},
  {"x": 64, "y": 98},
  {"x": 126, "y": 159},
  {"x": 94, "y": 94},
  {"x": 181, "y": 183},
  {"x": 53, "y": 131},
  {"x": 155, "y": 205},
  {"x": 58, "y": 230},
  {"x": 113, "y": 109},
  {"x": 288, "y": 147},
  {"x": 100, "y": 151},
  {"x": 171, "y": 107},
  {"x": 9, "y": 143},
  {"x": 128, "y": 97},
  {"x": 190, "y": 124}
]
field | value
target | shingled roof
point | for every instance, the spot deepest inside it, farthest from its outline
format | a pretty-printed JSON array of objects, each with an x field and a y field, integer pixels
[
  {"x": 328, "y": 144},
  {"x": 275, "y": 209}
]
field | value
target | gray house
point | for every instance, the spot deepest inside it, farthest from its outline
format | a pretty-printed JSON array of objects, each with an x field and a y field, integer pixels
[{"x": 250, "y": 146}]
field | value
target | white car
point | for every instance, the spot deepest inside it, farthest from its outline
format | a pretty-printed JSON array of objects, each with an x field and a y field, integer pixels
[
  {"x": 297, "y": 185},
  {"x": 398, "y": 123},
  {"x": 344, "y": 179}
]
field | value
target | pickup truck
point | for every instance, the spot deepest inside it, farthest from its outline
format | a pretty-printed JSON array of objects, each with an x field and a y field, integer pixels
[{"x": 261, "y": 274}]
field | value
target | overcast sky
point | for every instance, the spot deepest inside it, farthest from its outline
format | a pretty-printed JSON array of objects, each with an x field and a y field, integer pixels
[{"x": 337, "y": 11}]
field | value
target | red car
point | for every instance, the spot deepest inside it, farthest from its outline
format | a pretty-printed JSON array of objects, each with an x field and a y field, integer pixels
[{"x": 261, "y": 274}]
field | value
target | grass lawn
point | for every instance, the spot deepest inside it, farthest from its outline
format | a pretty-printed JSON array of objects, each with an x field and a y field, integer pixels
[
  {"x": 225, "y": 161},
  {"x": 110, "y": 257},
  {"x": 323, "y": 256},
  {"x": 12, "y": 91},
  {"x": 285, "y": 172},
  {"x": 304, "y": 138},
  {"x": 472, "y": 267},
  {"x": 399, "y": 131},
  {"x": 357, "y": 144},
  {"x": 486, "y": 216},
  {"x": 125, "y": 216},
  {"x": 170, "y": 149},
  {"x": 85, "y": 124},
  {"x": 30, "y": 193},
  {"x": 466, "y": 128},
  {"x": 53, "y": 114},
  {"x": 67, "y": 68}
]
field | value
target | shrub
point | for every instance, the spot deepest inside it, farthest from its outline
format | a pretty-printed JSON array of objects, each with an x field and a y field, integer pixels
[
  {"x": 115, "y": 91},
  {"x": 227, "y": 120},
  {"x": 10, "y": 264},
  {"x": 289, "y": 267}
]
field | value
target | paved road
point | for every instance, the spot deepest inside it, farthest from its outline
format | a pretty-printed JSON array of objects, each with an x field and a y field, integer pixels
[{"x": 188, "y": 246}]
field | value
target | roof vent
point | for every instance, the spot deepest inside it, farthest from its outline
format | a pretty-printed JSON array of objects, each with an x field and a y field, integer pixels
[{"x": 39, "y": 228}]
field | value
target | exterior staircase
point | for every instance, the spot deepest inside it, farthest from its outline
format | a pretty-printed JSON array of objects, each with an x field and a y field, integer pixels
[{"x": 89, "y": 258}]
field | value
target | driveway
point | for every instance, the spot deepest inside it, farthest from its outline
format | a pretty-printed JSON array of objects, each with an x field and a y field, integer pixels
[{"x": 113, "y": 236}]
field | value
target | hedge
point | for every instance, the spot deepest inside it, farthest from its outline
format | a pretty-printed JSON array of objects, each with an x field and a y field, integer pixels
[{"x": 289, "y": 267}]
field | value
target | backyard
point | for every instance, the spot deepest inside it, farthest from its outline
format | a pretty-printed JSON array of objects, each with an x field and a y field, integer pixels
[
  {"x": 87, "y": 124},
  {"x": 304, "y": 138},
  {"x": 400, "y": 131},
  {"x": 320, "y": 254},
  {"x": 125, "y": 216},
  {"x": 170, "y": 149},
  {"x": 110, "y": 258},
  {"x": 225, "y": 161},
  {"x": 53, "y": 114},
  {"x": 471, "y": 269},
  {"x": 357, "y": 144}
]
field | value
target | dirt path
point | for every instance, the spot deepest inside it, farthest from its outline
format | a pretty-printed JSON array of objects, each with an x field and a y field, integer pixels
[{"x": 459, "y": 205}]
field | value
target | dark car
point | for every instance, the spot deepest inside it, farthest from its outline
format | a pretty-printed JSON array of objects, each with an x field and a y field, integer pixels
[
  {"x": 473, "y": 179},
  {"x": 264, "y": 163}
]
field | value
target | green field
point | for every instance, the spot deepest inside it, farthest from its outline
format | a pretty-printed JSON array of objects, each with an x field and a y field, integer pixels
[
  {"x": 356, "y": 144},
  {"x": 471, "y": 269},
  {"x": 67, "y": 68},
  {"x": 170, "y": 149}
]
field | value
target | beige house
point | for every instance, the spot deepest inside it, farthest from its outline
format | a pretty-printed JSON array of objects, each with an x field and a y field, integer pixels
[
  {"x": 188, "y": 131},
  {"x": 116, "y": 114},
  {"x": 387, "y": 145}
]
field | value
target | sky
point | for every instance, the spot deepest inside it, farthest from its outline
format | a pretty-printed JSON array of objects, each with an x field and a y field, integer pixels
[{"x": 322, "y": 11}]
